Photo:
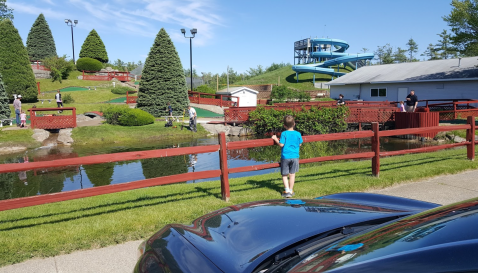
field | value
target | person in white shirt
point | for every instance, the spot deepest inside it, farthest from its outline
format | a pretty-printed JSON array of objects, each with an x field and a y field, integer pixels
[
  {"x": 192, "y": 119},
  {"x": 59, "y": 102}
]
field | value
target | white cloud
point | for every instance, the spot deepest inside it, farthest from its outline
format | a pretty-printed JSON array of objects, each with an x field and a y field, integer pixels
[{"x": 30, "y": 9}]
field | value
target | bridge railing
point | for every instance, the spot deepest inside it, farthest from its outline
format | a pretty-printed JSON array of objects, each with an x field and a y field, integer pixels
[
  {"x": 106, "y": 76},
  {"x": 39, "y": 119},
  {"x": 224, "y": 171}
]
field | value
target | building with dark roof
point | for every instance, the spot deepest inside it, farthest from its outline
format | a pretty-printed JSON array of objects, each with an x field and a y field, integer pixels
[{"x": 438, "y": 79}]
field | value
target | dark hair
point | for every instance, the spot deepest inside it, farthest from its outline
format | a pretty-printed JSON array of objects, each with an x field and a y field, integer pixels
[
  {"x": 341, "y": 95},
  {"x": 289, "y": 121}
]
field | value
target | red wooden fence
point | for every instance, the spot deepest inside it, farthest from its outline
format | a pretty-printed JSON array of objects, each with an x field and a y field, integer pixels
[
  {"x": 358, "y": 113},
  {"x": 52, "y": 121},
  {"x": 106, "y": 76},
  {"x": 39, "y": 66},
  {"x": 224, "y": 171},
  {"x": 130, "y": 99},
  {"x": 218, "y": 100}
]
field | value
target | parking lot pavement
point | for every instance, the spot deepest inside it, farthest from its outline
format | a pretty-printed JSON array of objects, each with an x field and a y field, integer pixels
[{"x": 122, "y": 258}]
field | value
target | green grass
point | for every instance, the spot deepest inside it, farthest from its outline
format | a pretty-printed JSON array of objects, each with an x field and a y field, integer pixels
[
  {"x": 287, "y": 78},
  {"x": 48, "y": 85},
  {"x": 17, "y": 138},
  {"x": 107, "y": 134},
  {"x": 202, "y": 113},
  {"x": 59, "y": 228}
]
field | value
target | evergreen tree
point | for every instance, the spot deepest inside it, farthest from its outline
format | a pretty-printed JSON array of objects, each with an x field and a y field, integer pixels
[
  {"x": 4, "y": 108},
  {"x": 14, "y": 64},
  {"x": 40, "y": 43},
  {"x": 94, "y": 48},
  {"x": 463, "y": 21},
  {"x": 5, "y": 12},
  {"x": 399, "y": 55},
  {"x": 444, "y": 45},
  {"x": 431, "y": 53},
  {"x": 163, "y": 79},
  {"x": 412, "y": 48}
]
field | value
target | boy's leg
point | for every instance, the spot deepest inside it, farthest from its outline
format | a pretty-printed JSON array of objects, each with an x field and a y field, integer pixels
[
  {"x": 291, "y": 181},
  {"x": 294, "y": 168},
  {"x": 286, "y": 182}
]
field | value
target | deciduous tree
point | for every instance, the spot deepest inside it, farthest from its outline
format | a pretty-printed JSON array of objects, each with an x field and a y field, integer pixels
[
  {"x": 5, "y": 12},
  {"x": 163, "y": 79},
  {"x": 463, "y": 20}
]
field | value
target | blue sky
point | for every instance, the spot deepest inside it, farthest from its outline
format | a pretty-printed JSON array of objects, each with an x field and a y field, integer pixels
[{"x": 240, "y": 34}]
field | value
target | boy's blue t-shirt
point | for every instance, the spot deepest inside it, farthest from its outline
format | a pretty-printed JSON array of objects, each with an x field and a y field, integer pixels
[{"x": 291, "y": 141}]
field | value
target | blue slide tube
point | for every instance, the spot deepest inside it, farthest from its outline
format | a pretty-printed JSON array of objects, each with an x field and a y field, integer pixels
[{"x": 336, "y": 57}]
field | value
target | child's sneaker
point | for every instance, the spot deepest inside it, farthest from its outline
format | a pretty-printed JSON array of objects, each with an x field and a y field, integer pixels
[
  {"x": 289, "y": 195},
  {"x": 285, "y": 193}
]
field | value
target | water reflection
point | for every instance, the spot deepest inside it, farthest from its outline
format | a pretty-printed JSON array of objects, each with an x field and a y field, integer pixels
[{"x": 50, "y": 180}]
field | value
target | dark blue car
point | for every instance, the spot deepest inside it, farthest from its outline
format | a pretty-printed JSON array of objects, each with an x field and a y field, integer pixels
[{"x": 349, "y": 232}]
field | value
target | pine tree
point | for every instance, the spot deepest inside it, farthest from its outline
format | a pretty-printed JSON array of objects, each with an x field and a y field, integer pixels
[
  {"x": 163, "y": 79},
  {"x": 5, "y": 111},
  {"x": 93, "y": 47},
  {"x": 40, "y": 43},
  {"x": 14, "y": 64}
]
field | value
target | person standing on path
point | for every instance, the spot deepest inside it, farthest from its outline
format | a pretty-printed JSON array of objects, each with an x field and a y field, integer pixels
[
  {"x": 290, "y": 142},
  {"x": 59, "y": 102},
  {"x": 192, "y": 119},
  {"x": 17, "y": 104},
  {"x": 412, "y": 102},
  {"x": 170, "y": 109}
]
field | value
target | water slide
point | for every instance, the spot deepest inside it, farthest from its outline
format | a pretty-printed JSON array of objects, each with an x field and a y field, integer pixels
[{"x": 335, "y": 55}]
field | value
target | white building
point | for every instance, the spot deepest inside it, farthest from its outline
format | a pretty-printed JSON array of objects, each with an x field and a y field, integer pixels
[
  {"x": 438, "y": 79},
  {"x": 247, "y": 96}
]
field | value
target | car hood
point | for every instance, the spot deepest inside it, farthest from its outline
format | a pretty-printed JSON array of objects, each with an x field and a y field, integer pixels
[{"x": 238, "y": 238}]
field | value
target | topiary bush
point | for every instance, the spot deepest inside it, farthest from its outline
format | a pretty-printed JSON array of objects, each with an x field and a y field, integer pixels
[
  {"x": 135, "y": 117},
  {"x": 121, "y": 90},
  {"x": 88, "y": 64},
  {"x": 93, "y": 47},
  {"x": 125, "y": 116}
]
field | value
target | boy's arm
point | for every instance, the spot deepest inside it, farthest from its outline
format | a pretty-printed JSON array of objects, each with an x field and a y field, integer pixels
[{"x": 276, "y": 140}]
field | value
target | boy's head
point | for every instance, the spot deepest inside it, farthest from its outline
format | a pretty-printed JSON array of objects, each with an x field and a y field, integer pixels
[{"x": 289, "y": 122}]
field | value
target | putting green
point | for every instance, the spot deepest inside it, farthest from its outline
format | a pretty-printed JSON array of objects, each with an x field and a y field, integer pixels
[
  {"x": 206, "y": 114},
  {"x": 73, "y": 88},
  {"x": 118, "y": 100}
]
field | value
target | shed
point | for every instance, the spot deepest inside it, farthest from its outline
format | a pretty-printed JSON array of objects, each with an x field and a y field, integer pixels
[
  {"x": 431, "y": 80},
  {"x": 247, "y": 96}
]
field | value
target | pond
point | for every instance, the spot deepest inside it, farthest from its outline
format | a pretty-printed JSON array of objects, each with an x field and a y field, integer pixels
[{"x": 44, "y": 181}]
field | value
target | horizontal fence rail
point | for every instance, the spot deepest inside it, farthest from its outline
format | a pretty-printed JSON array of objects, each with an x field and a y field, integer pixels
[
  {"x": 224, "y": 171},
  {"x": 106, "y": 76}
]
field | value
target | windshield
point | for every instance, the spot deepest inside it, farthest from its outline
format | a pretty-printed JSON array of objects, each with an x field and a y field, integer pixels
[{"x": 438, "y": 226}]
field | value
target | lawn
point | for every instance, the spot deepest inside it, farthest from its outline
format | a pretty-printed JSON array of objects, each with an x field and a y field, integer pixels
[
  {"x": 94, "y": 222},
  {"x": 48, "y": 85},
  {"x": 107, "y": 134},
  {"x": 17, "y": 138},
  {"x": 288, "y": 78}
]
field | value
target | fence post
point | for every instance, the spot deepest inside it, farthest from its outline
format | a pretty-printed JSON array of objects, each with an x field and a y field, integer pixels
[
  {"x": 38, "y": 86},
  {"x": 32, "y": 117},
  {"x": 74, "y": 117},
  {"x": 454, "y": 109},
  {"x": 470, "y": 136},
  {"x": 376, "y": 149},
  {"x": 199, "y": 98},
  {"x": 224, "y": 169},
  {"x": 221, "y": 100}
]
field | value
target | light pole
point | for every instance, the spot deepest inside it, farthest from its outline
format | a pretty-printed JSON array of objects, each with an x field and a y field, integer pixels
[
  {"x": 72, "y": 24},
  {"x": 193, "y": 32}
]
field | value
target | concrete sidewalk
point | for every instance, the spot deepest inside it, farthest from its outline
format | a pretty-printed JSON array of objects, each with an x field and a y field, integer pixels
[{"x": 122, "y": 258}]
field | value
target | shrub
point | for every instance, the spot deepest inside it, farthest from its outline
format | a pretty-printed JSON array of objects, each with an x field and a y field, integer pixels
[
  {"x": 121, "y": 90},
  {"x": 125, "y": 116},
  {"x": 67, "y": 98},
  {"x": 308, "y": 122},
  {"x": 88, "y": 64},
  {"x": 59, "y": 67},
  {"x": 280, "y": 93},
  {"x": 135, "y": 117}
]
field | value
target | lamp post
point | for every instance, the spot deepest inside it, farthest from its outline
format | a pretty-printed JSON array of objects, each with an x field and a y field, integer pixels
[
  {"x": 72, "y": 24},
  {"x": 193, "y": 32}
]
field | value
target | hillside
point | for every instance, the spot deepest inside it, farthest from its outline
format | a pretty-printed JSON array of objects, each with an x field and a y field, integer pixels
[{"x": 287, "y": 78}]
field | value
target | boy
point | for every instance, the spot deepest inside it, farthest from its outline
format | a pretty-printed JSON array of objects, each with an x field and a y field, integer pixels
[
  {"x": 59, "y": 102},
  {"x": 290, "y": 142},
  {"x": 192, "y": 119}
]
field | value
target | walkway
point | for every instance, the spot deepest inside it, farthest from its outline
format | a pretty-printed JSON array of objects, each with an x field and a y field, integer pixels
[{"x": 122, "y": 258}]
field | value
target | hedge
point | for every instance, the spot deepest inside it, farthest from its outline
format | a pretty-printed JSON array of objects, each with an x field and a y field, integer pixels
[{"x": 88, "y": 64}]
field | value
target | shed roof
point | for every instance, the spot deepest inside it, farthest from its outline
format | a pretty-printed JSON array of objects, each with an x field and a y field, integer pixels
[
  {"x": 233, "y": 90},
  {"x": 437, "y": 70}
]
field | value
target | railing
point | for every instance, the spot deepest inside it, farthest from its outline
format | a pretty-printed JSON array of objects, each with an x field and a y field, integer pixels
[
  {"x": 224, "y": 171},
  {"x": 417, "y": 120},
  {"x": 358, "y": 113},
  {"x": 218, "y": 100},
  {"x": 453, "y": 110},
  {"x": 131, "y": 99},
  {"x": 53, "y": 120},
  {"x": 38, "y": 66},
  {"x": 119, "y": 75}
]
